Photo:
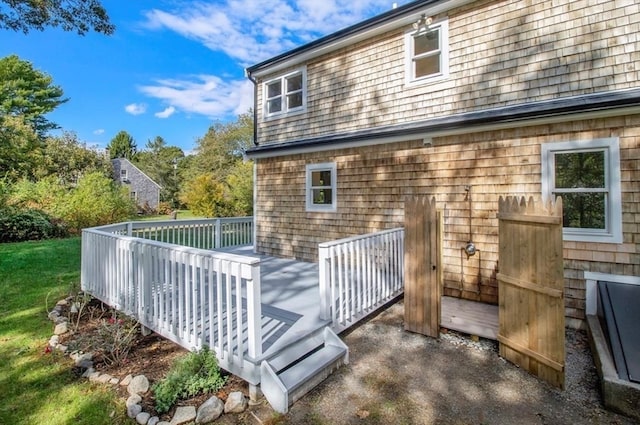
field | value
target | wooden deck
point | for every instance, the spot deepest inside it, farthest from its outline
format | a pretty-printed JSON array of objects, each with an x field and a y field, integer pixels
[
  {"x": 290, "y": 299},
  {"x": 470, "y": 317}
]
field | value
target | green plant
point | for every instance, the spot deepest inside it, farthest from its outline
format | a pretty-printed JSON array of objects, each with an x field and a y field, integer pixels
[
  {"x": 196, "y": 373},
  {"x": 27, "y": 225}
]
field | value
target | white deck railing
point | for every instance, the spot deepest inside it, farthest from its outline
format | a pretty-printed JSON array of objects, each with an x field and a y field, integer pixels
[
  {"x": 190, "y": 295},
  {"x": 359, "y": 275},
  {"x": 211, "y": 233}
]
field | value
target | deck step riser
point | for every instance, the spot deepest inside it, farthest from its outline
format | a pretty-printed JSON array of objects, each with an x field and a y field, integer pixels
[{"x": 299, "y": 369}]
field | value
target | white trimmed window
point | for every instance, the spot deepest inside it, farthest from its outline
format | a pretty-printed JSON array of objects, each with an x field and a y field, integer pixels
[
  {"x": 586, "y": 174},
  {"x": 286, "y": 95},
  {"x": 321, "y": 187},
  {"x": 427, "y": 53}
]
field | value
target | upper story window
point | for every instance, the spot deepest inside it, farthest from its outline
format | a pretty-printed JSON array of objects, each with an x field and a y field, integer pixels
[
  {"x": 586, "y": 174},
  {"x": 286, "y": 94},
  {"x": 124, "y": 175},
  {"x": 427, "y": 53},
  {"x": 321, "y": 187}
]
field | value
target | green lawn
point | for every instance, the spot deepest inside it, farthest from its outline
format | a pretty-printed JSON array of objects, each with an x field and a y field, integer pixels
[
  {"x": 182, "y": 215},
  {"x": 39, "y": 388}
]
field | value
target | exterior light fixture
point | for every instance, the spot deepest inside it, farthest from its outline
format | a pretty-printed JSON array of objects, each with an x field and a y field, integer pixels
[{"x": 423, "y": 22}]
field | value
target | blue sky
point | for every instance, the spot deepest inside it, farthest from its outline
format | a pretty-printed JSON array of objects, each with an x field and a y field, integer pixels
[{"x": 173, "y": 67}]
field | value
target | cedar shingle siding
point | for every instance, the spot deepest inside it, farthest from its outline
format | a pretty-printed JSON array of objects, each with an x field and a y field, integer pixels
[
  {"x": 501, "y": 53},
  {"x": 147, "y": 192}
]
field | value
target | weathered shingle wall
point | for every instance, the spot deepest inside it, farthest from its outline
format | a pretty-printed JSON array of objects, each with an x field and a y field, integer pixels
[
  {"x": 147, "y": 192},
  {"x": 501, "y": 53},
  {"x": 374, "y": 181}
]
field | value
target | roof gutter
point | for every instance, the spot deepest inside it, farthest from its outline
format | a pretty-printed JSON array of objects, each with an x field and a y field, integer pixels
[{"x": 247, "y": 74}]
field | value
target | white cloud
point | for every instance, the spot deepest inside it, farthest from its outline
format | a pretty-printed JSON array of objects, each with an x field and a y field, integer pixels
[
  {"x": 98, "y": 131},
  {"x": 166, "y": 113},
  {"x": 254, "y": 30},
  {"x": 206, "y": 95},
  {"x": 136, "y": 108}
]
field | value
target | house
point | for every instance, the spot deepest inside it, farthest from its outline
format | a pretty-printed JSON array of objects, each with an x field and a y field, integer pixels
[
  {"x": 466, "y": 101},
  {"x": 142, "y": 189}
]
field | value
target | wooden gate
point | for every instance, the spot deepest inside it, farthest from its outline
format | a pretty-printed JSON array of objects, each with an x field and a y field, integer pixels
[
  {"x": 422, "y": 270},
  {"x": 531, "y": 287}
]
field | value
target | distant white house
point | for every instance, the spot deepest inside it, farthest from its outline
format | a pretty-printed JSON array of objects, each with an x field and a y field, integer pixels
[{"x": 142, "y": 188}]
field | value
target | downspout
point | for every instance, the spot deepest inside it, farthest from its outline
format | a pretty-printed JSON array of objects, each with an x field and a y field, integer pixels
[{"x": 255, "y": 105}]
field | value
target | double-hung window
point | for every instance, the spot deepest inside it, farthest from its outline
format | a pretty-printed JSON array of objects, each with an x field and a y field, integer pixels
[
  {"x": 286, "y": 94},
  {"x": 427, "y": 53},
  {"x": 321, "y": 187},
  {"x": 586, "y": 174}
]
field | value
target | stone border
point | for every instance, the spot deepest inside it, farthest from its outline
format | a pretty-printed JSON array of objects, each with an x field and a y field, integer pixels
[{"x": 137, "y": 385}]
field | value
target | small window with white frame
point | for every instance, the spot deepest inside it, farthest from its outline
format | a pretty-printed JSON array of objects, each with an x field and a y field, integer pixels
[
  {"x": 286, "y": 94},
  {"x": 586, "y": 174},
  {"x": 427, "y": 52},
  {"x": 321, "y": 187}
]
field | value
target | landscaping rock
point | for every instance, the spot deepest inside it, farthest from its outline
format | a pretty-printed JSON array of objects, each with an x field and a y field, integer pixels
[
  {"x": 153, "y": 420},
  {"x": 126, "y": 381},
  {"x": 105, "y": 378},
  {"x": 62, "y": 302},
  {"x": 74, "y": 308},
  {"x": 114, "y": 381},
  {"x": 236, "y": 403},
  {"x": 183, "y": 415},
  {"x": 53, "y": 314},
  {"x": 80, "y": 359},
  {"x": 133, "y": 410},
  {"x": 53, "y": 341},
  {"x": 210, "y": 410},
  {"x": 138, "y": 385},
  {"x": 133, "y": 399},
  {"x": 163, "y": 423},
  {"x": 61, "y": 348},
  {"x": 61, "y": 328},
  {"x": 143, "y": 418},
  {"x": 94, "y": 377}
]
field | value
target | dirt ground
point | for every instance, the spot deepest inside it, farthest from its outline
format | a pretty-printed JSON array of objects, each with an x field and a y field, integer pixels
[{"x": 397, "y": 377}]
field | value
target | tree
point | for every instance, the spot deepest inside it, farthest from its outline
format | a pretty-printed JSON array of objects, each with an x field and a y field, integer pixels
[
  {"x": 67, "y": 158},
  {"x": 223, "y": 145},
  {"x": 160, "y": 162},
  {"x": 205, "y": 196},
  {"x": 28, "y": 93},
  {"x": 71, "y": 15},
  {"x": 122, "y": 146},
  {"x": 19, "y": 149},
  {"x": 96, "y": 200},
  {"x": 240, "y": 188}
]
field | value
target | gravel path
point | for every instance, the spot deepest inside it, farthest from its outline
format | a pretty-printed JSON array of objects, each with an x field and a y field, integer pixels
[{"x": 396, "y": 377}]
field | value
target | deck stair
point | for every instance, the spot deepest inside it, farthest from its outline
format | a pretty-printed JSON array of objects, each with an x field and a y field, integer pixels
[{"x": 298, "y": 368}]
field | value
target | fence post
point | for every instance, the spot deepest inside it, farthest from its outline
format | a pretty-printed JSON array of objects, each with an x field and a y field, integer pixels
[
  {"x": 323, "y": 274},
  {"x": 129, "y": 229},
  {"x": 254, "y": 313},
  {"x": 217, "y": 241}
]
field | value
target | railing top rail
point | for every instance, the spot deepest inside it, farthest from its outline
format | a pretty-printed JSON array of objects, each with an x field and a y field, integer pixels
[
  {"x": 359, "y": 237},
  {"x": 242, "y": 259},
  {"x": 135, "y": 225}
]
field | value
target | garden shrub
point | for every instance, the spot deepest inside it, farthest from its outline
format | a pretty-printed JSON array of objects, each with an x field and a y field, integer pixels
[
  {"x": 26, "y": 225},
  {"x": 196, "y": 373}
]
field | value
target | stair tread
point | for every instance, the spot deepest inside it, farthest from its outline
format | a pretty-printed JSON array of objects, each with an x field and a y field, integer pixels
[
  {"x": 293, "y": 353},
  {"x": 308, "y": 367}
]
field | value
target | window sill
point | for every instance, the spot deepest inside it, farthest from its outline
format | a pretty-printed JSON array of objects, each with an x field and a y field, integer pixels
[{"x": 274, "y": 117}]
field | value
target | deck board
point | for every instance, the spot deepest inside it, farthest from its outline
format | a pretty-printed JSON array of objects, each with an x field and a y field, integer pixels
[{"x": 470, "y": 317}]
